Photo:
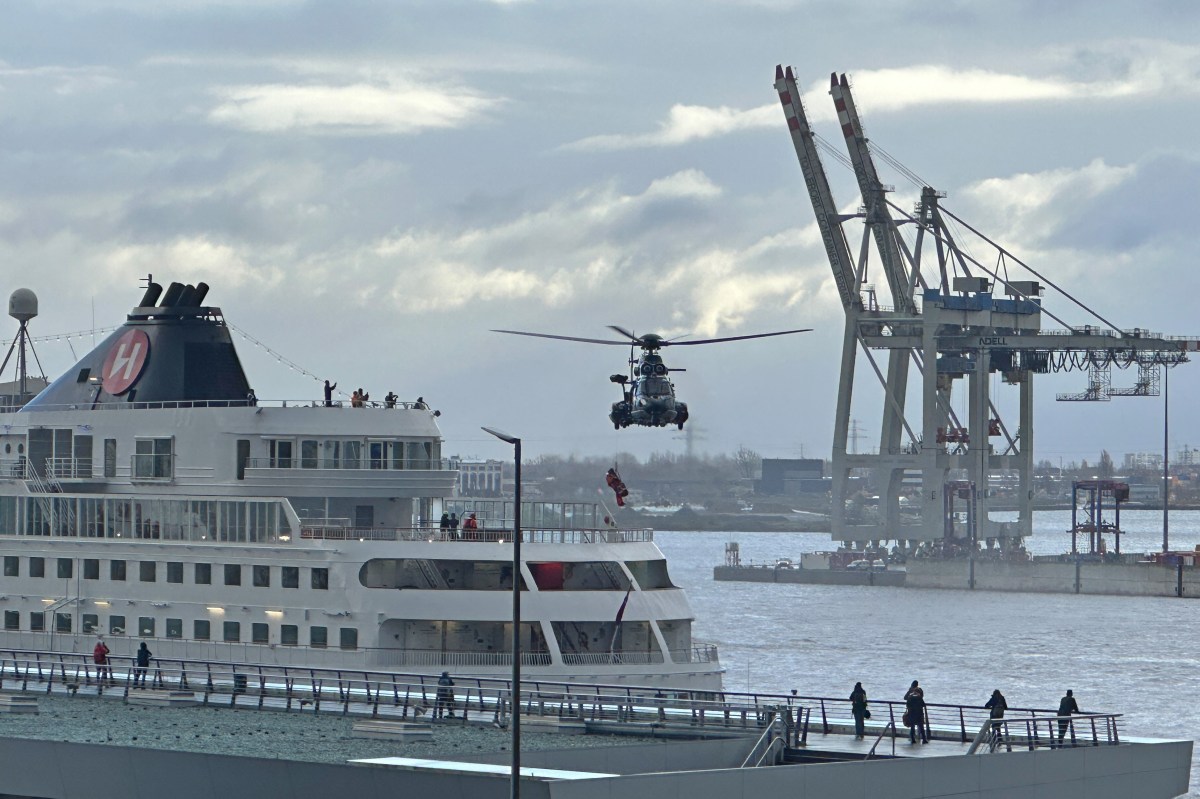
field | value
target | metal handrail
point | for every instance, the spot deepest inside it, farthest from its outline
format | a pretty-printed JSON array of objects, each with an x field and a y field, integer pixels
[
  {"x": 368, "y": 691},
  {"x": 891, "y": 725},
  {"x": 772, "y": 736},
  {"x": 986, "y": 733}
]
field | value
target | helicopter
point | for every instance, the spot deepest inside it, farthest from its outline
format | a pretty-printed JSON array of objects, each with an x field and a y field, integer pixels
[{"x": 647, "y": 394}]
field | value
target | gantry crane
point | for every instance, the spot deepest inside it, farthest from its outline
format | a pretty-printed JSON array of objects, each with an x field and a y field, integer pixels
[{"x": 958, "y": 336}]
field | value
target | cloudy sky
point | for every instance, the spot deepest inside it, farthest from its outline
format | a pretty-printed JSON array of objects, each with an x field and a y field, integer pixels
[{"x": 369, "y": 187}]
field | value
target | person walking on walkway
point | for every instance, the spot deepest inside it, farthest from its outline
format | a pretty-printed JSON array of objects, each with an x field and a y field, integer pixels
[
  {"x": 914, "y": 713},
  {"x": 858, "y": 706},
  {"x": 143, "y": 662},
  {"x": 1066, "y": 706},
  {"x": 444, "y": 704},
  {"x": 996, "y": 707},
  {"x": 100, "y": 657}
]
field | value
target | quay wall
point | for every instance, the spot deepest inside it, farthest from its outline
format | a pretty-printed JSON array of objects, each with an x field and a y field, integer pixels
[
  {"x": 1157, "y": 770},
  {"x": 1118, "y": 579},
  {"x": 63, "y": 770},
  {"x": 769, "y": 574}
]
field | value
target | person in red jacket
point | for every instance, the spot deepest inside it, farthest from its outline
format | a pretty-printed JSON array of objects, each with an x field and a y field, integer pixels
[
  {"x": 100, "y": 656},
  {"x": 470, "y": 528},
  {"x": 617, "y": 485}
]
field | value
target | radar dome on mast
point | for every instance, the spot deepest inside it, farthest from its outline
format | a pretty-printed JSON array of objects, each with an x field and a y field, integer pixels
[{"x": 23, "y": 305}]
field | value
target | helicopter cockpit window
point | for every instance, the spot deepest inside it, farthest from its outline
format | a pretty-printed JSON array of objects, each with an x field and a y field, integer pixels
[{"x": 655, "y": 386}]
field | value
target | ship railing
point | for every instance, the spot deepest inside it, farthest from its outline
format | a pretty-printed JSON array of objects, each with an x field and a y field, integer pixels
[
  {"x": 614, "y": 658},
  {"x": 248, "y": 402},
  {"x": 69, "y": 468},
  {"x": 696, "y": 653},
  {"x": 361, "y": 464},
  {"x": 401, "y": 695},
  {"x": 430, "y": 657},
  {"x": 334, "y": 532}
]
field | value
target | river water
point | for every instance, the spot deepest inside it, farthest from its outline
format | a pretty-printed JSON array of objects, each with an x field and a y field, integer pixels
[{"x": 1132, "y": 655}]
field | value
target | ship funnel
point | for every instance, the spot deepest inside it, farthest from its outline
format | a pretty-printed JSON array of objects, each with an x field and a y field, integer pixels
[
  {"x": 171, "y": 298},
  {"x": 201, "y": 293},
  {"x": 22, "y": 305},
  {"x": 186, "y": 297},
  {"x": 153, "y": 292}
]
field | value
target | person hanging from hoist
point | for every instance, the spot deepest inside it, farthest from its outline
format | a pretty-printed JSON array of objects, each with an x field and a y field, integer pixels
[{"x": 613, "y": 478}]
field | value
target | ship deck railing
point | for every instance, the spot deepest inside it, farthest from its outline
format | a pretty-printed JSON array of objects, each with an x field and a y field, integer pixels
[
  {"x": 402, "y": 696},
  {"x": 499, "y": 535},
  {"x": 249, "y": 402}
]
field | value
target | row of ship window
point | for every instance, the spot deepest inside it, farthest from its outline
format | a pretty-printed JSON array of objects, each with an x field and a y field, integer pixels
[
  {"x": 260, "y": 574},
  {"x": 231, "y": 631}
]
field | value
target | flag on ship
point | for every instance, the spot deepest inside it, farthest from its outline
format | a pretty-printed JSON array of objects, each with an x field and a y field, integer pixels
[{"x": 621, "y": 610}]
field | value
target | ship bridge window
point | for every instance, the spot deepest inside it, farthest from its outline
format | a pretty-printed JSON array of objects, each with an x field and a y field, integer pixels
[
  {"x": 427, "y": 574},
  {"x": 308, "y": 454},
  {"x": 58, "y": 452},
  {"x": 153, "y": 458},
  {"x": 281, "y": 453},
  {"x": 650, "y": 574},
  {"x": 352, "y": 455},
  {"x": 677, "y": 633},
  {"x": 585, "y": 576}
]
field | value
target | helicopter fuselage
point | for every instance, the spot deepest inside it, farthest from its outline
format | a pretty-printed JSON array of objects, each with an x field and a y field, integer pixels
[{"x": 649, "y": 398}]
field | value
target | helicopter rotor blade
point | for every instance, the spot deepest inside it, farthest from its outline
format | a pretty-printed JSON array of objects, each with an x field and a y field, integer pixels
[
  {"x": 676, "y": 342},
  {"x": 625, "y": 333},
  {"x": 561, "y": 338}
]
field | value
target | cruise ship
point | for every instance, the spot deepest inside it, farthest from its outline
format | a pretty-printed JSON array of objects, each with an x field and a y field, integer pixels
[{"x": 149, "y": 495}]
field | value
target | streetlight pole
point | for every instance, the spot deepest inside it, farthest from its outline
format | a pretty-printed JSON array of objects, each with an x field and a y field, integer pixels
[{"x": 515, "y": 721}]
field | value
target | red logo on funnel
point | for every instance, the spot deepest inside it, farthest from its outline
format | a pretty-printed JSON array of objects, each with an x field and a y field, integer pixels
[{"x": 123, "y": 365}]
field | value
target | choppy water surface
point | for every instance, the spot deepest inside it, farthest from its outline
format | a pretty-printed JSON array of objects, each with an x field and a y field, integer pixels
[{"x": 1131, "y": 655}]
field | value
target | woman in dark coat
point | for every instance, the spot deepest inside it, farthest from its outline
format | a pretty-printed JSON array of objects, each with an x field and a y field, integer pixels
[
  {"x": 997, "y": 705},
  {"x": 914, "y": 713},
  {"x": 858, "y": 706}
]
